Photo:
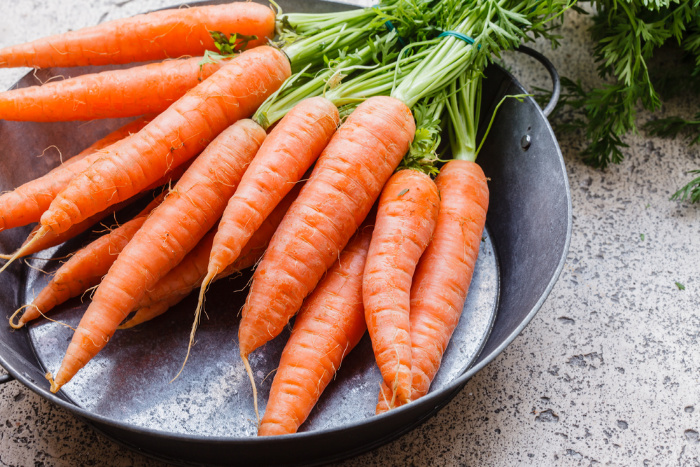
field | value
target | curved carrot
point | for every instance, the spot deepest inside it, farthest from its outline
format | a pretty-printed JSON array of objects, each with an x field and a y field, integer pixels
[
  {"x": 444, "y": 272},
  {"x": 84, "y": 269},
  {"x": 189, "y": 274},
  {"x": 34, "y": 244},
  {"x": 287, "y": 153},
  {"x": 173, "y": 137},
  {"x": 173, "y": 229},
  {"x": 135, "y": 91},
  {"x": 343, "y": 186},
  {"x": 152, "y": 36},
  {"x": 406, "y": 217},
  {"x": 26, "y": 203},
  {"x": 328, "y": 327}
]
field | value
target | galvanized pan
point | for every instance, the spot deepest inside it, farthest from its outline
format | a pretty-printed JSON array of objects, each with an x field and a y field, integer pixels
[{"x": 206, "y": 415}]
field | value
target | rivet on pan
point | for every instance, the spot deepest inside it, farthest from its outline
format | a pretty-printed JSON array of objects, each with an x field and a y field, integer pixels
[{"x": 525, "y": 142}]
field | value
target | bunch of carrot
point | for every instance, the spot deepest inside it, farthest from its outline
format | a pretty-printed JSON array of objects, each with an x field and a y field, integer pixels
[{"x": 234, "y": 195}]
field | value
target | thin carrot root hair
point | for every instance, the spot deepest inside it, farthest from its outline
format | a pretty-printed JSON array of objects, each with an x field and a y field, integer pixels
[
  {"x": 268, "y": 375},
  {"x": 197, "y": 316},
  {"x": 60, "y": 154},
  {"x": 19, "y": 253},
  {"x": 90, "y": 290},
  {"x": 19, "y": 324},
  {"x": 249, "y": 370},
  {"x": 395, "y": 384},
  {"x": 26, "y": 263}
]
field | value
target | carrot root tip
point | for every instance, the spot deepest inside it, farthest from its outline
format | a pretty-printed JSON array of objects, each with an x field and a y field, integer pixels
[
  {"x": 129, "y": 324},
  {"x": 19, "y": 253},
  {"x": 197, "y": 314},
  {"x": 249, "y": 370},
  {"x": 54, "y": 387},
  {"x": 20, "y": 323}
]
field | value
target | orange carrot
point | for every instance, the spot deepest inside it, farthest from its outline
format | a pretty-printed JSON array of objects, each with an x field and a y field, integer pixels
[
  {"x": 328, "y": 327},
  {"x": 444, "y": 272},
  {"x": 172, "y": 138},
  {"x": 50, "y": 239},
  {"x": 152, "y": 36},
  {"x": 34, "y": 245},
  {"x": 189, "y": 274},
  {"x": 135, "y": 91},
  {"x": 28, "y": 202},
  {"x": 173, "y": 229},
  {"x": 84, "y": 269},
  {"x": 344, "y": 184},
  {"x": 175, "y": 285},
  {"x": 287, "y": 153},
  {"x": 406, "y": 218}
]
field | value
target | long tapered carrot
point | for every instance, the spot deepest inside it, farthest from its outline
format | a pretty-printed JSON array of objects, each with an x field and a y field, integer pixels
[
  {"x": 174, "y": 136},
  {"x": 345, "y": 182},
  {"x": 50, "y": 239},
  {"x": 84, "y": 269},
  {"x": 135, "y": 91},
  {"x": 444, "y": 272},
  {"x": 26, "y": 203},
  {"x": 328, "y": 327},
  {"x": 173, "y": 229},
  {"x": 152, "y": 36},
  {"x": 287, "y": 153},
  {"x": 189, "y": 274},
  {"x": 406, "y": 217},
  {"x": 33, "y": 245}
]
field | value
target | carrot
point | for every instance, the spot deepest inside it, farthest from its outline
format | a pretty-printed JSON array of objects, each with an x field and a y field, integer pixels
[
  {"x": 28, "y": 202},
  {"x": 152, "y": 36},
  {"x": 173, "y": 137},
  {"x": 287, "y": 153},
  {"x": 175, "y": 285},
  {"x": 344, "y": 184},
  {"x": 34, "y": 245},
  {"x": 111, "y": 94},
  {"x": 444, "y": 272},
  {"x": 84, "y": 269},
  {"x": 173, "y": 229},
  {"x": 406, "y": 217},
  {"x": 189, "y": 274},
  {"x": 50, "y": 239},
  {"x": 329, "y": 325}
]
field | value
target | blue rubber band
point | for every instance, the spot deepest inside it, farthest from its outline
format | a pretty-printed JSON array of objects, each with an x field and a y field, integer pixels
[
  {"x": 458, "y": 35},
  {"x": 390, "y": 26}
]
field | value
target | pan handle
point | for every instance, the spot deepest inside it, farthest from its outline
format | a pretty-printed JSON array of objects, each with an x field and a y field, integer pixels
[
  {"x": 556, "y": 85},
  {"x": 6, "y": 378}
]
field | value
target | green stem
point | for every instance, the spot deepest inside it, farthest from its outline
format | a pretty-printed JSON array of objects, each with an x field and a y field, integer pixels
[{"x": 463, "y": 108}]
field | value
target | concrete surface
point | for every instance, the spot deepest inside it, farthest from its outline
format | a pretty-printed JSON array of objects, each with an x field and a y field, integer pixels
[{"x": 607, "y": 373}]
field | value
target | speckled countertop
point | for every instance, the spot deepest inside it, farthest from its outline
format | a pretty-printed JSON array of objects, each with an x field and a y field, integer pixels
[{"x": 608, "y": 371}]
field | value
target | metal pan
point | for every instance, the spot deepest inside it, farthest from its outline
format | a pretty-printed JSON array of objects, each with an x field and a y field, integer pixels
[{"x": 206, "y": 416}]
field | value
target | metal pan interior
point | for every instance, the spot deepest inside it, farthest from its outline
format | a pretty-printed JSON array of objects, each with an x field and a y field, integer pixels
[{"x": 130, "y": 380}]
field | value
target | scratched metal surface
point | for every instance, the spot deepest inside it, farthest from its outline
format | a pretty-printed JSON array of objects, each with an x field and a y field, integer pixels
[{"x": 129, "y": 380}]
